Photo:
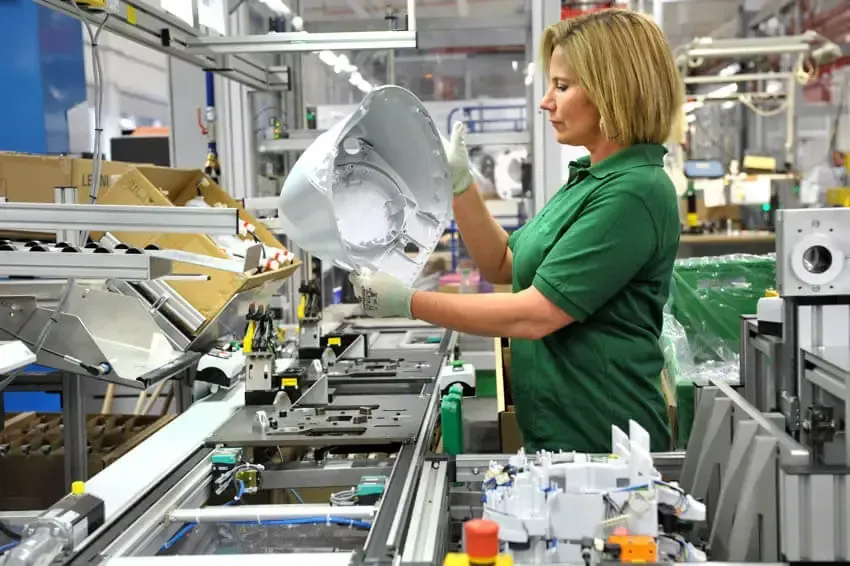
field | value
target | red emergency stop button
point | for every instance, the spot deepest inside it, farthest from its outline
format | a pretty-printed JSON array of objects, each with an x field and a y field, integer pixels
[{"x": 481, "y": 541}]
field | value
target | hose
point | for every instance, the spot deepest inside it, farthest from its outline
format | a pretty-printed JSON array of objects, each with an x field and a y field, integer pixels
[{"x": 9, "y": 532}]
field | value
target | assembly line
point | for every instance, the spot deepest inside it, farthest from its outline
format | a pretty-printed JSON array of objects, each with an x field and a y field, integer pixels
[
  {"x": 307, "y": 418},
  {"x": 368, "y": 425}
]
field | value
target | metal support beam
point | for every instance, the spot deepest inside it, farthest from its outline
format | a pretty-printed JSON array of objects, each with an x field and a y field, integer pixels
[
  {"x": 235, "y": 128},
  {"x": 58, "y": 265},
  {"x": 442, "y": 33},
  {"x": 741, "y": 78},
  {"x": 546, "y": 153},
  {"x": 74, "y": 428},
  {"x": 39, "y": 217},
  {"x": 301, "y": 140},
  {"x": 736, "y": 97},
  {"x": 302, "y": 41},
  {"x": 142, "y": 23}
]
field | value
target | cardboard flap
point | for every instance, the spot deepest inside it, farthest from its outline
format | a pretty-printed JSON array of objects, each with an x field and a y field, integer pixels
[
  {"x": 81, "y": 176},
  {"x": 214, "y": 195},
  {"x": 177, "y": 185},
  {"x": 134, "y": 188}
]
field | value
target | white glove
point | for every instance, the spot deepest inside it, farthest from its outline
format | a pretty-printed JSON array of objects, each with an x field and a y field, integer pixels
[
  {"x": 382, "y": 295},
  {"x": 458, "y": 157}
]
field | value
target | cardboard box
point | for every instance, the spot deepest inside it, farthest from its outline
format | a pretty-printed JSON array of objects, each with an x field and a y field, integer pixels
[
  {"x": 32, "y": 462},
  {"x": 510, "y": 439},
  {"x": 711, "y": 214},
  {"x": 33, "y": 178},
  {"x": 161, "y": 186}
]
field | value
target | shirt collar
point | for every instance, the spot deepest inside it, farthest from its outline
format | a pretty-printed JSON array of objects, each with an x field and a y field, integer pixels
[{"x": 638, "y": 155}]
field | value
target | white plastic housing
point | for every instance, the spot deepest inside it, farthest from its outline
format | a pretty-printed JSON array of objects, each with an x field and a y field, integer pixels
[{"x": 371, "y": 187}]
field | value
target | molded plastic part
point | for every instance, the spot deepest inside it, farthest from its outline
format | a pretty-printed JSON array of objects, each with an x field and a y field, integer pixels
[{"x": 373, "y": 192}]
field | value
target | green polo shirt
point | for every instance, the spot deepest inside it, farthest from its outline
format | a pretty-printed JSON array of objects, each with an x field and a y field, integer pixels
[{"x": 602, "y": 249}]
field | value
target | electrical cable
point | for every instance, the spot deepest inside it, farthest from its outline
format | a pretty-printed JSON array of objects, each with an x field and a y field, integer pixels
[
  {"x": 343, "y": 498},
  {"x": 6, "y": 547},
  {"x": 9, "y": 532}
]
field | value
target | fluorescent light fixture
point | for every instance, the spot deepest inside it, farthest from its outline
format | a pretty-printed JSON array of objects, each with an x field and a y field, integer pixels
[
  {"x": 277, "y": 7},
  {"x": 773, "y": 87},
  {"x": 321, "y": 44}
]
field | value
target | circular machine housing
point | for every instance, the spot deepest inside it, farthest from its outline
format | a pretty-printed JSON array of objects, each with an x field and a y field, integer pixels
[{"x": 373, "y": 192}]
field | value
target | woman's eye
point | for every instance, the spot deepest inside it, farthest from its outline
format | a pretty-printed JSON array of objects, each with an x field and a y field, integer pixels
[{"x": 561, "y": 88}]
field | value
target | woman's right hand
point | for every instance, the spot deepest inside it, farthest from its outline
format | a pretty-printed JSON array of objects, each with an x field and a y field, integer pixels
[{"x": 458, "y": 158}]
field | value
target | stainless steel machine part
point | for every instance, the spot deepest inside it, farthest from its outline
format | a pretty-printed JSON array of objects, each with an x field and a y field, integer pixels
[
  {"x": 348, "y": 419},
  {"x": 88, "y": 331}
]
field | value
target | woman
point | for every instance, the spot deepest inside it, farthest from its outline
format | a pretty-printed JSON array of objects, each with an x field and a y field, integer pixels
[{"x": 591, "y": 272}]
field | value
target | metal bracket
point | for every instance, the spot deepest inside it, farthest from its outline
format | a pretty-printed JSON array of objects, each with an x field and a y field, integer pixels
[{"x": 791, "y": 409}]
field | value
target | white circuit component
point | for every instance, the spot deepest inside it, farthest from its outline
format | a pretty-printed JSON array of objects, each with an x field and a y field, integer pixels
[{"x": 547, "y": 508}]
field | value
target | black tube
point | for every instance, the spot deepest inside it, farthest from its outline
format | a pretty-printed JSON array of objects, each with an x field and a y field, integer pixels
[{"x": 7, "y": 530}]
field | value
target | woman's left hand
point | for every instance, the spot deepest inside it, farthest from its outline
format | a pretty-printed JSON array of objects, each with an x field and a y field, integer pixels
[{"x": 382, "y": 295}]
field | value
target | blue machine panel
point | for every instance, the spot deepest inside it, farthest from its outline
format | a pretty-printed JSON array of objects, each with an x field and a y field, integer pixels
[{"x": 44, "y": 76}]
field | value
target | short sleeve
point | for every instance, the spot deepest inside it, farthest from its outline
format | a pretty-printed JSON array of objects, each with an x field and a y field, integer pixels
[{"x": 597, "y": 256}]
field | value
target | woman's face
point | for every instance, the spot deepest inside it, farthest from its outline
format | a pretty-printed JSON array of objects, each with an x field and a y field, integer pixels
[{"x": 572, "y": 115}]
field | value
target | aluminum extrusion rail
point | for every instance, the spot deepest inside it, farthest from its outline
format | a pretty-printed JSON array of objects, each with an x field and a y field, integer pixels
[
  {"x": 384, "y": 541},
  {"x": 299, "y": 42},
  {"x": 154, "y": 28},
  {"x": 118, "y": 218},
  {"x": 57, "y": 265}
]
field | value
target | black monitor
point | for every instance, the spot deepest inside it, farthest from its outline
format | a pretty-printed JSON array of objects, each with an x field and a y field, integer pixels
[{"x": 151, "y": 150}]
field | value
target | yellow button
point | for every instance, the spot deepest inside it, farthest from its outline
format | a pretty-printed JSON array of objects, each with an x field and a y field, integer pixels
[
  {"x": 78, "y": 488},
  {"x": 771, "y": 293}
]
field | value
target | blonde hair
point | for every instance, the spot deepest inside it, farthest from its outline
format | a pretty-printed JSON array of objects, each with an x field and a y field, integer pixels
[{"x": 622, "y": 60}]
